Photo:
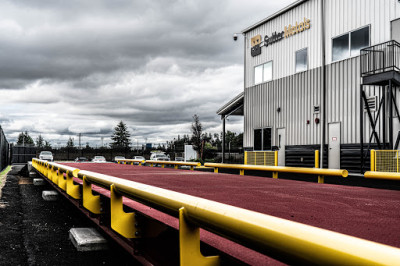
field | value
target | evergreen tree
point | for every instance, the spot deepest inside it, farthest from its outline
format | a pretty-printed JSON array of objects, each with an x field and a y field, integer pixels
[
  {"x": 47, "y": 145},
  {"x": 40, "y": 141},
  {"x": 121, "y": 136},
  {"x": 24, "y": 139},
  {"x": 70, "y": 143},
  {"x": 197, "y": 136}
]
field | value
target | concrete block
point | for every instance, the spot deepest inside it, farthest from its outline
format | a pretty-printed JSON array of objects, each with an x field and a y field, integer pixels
[
  {"x": 87, "y": 239},
  {"x": 50, "y": 195},
  {"x": 32, "y": 174},
  {"x": 30, "y": 167},
  {"x": 38, "y": 182}
]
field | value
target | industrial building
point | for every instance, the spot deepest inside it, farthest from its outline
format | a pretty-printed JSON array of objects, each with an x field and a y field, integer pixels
[{"x": 322, "y": 73}]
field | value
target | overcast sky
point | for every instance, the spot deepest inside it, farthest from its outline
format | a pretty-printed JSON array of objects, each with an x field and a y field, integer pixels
[{"x": 69, "y": 67}]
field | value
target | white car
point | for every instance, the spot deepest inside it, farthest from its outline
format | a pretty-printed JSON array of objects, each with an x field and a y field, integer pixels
[
  {"x": 139, "y": 158},
  {"x": 159, "y": 157},
  {"x": 46, "y": 155},
  {"x": 99, "y": 159}
]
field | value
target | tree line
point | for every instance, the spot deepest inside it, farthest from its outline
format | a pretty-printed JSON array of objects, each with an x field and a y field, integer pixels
[{"x": 205, "y": 144}]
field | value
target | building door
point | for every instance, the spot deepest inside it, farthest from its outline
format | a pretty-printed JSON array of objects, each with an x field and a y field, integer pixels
[
  {"x": 281, "y": 142},
  {"x": 395, "y": 25},
  {"x": 334, "y": 145}
]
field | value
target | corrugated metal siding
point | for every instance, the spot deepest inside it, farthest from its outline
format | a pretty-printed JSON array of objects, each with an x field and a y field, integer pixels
[
  {"x": 341, "y": 16},
  {"x": 296, "y": 96},
  {"x": 283, "y": 52}
]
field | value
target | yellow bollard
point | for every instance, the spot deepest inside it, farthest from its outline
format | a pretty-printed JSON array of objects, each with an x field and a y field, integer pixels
[
  {"x": 321, "y": 179},
  {"x": 372, "y": 160}
]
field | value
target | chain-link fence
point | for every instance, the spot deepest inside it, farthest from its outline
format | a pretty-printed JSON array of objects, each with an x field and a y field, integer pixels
[{"x": 4, "y": 151}]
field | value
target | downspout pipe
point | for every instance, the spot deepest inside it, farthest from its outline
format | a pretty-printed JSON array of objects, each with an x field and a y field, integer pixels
[{"x": 323, "y": 92}]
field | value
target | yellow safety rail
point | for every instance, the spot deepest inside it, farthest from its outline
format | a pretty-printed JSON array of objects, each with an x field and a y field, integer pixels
[
  {"x": 382, "y": 175},
  {"x": 176, "y": 164},
  {"x": 385, "y": 161},
  {"x": 291, "y": 241},
  {"x": 276, "y": 169},
  {"x": 261, "y": 158},
  {"x": 131, "y": 161}
]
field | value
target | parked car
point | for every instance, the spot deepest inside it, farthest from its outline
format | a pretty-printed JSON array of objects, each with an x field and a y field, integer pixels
[
  {"x": 116, "y": 158},
  {"x": 81, "y": 159},
  {"x": 139, "y": 158},
  {"x": 179, "y": 159},
  {"x": 46, "y": 155},
  {"x": 99, "y": 159},
  {"x": 159, "y": 157}
]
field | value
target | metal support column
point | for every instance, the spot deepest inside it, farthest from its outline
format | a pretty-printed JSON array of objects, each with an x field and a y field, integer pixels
[
  {"x": 361, "y": 130},
  {"x": 223, "y": 138},
  {"x": 390, "y": 115},
  {"x": 384, "y": 117}
]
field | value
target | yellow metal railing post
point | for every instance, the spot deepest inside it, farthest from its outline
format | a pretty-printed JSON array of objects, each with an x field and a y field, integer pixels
[
  {"x": 321, "y": 178},
  {"x": 372, "y": 160},
  {"x": 90, "y": 202},
  {"x": 245, "y": 157},
  {"x": 275, "y": 174},
  {"x": 71, "y": 188},
  {"x": 121, "y": 222},
  {"x": 255, "y": 158},
  {"x": 189, "y": 244},
  {"x": 61, "y": 180},
  {"x": 397, "y": 161}
]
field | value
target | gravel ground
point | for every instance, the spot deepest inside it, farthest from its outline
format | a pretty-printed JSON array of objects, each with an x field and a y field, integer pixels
[{"x": 35, "y": 232}]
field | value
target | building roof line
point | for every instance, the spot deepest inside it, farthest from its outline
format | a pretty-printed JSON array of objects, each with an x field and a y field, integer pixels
[
  {"x": 280, "y": 12},
  {"x": 232, "y": 103}
]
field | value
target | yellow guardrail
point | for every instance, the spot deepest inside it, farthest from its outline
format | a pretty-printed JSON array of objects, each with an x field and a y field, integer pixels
[
  {"x": 131, "y": 161},
  {"x": 261, "y": 158},
  {"x": 283, "y": 169},
  {"x": 382, "y": 175},
  {"x": 385, "y": 161},
  {"x": 279, "y": 238},
  {"x": 152, "y": 163},
  {"x": 174, "y": 163}
]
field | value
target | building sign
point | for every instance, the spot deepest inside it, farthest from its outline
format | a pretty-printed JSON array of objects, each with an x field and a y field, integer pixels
[{"x": 288, "y": 31}]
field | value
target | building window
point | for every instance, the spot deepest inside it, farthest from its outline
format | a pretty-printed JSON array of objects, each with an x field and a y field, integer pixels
[
  {"x": 350, "y": 44},
  {"x": 301, "y": 60},
  {"x": 263, "y": 73},
  {"x": 263, "y": 139},
  {"x": 258, "y": 74}
]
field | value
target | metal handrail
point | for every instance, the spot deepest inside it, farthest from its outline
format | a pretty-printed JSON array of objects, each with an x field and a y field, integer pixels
[
  {"x": 174, "y": 163},
  {"x": 283, "y": 169},
  {"x": 382, "y": 175},
  {"x": 279, "y": 238},
  {"x": 131, "y": 161}
]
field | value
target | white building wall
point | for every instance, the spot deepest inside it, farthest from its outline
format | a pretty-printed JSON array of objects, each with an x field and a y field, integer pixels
[{"x": 341, "y": 16}]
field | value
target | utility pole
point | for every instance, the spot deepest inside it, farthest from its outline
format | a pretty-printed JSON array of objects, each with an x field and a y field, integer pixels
[{"x": 80, "y": 134}]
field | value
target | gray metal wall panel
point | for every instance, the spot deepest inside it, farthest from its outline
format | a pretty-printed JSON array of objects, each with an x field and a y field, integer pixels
[
  {"x": 341, "y": 17},
  {"x": 296, "y": 95}
]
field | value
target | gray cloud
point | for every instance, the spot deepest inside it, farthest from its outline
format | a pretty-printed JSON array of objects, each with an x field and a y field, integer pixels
[{"x": 82, "y": 66}]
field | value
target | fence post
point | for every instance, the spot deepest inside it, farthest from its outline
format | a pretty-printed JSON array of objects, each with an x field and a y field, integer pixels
[
  {"x": 372, "y": 160},
  {"x": 245, "y": 157},
  {"x": 320, "y": 178}
]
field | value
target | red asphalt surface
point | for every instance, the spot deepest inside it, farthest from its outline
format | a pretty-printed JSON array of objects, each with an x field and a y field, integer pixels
[{"x": 372, "y": 214}]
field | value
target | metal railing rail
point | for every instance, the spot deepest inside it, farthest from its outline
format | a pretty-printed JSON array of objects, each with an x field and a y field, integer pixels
[
  {"x": 382, "y": 175},
  {"x": 279, "y": 238},
  {"x": 131, "y": 161},
  {"x": 174, "y": 163},
  {"x": 320, "y": 172},
  {"x": 380, "y": 58}
]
